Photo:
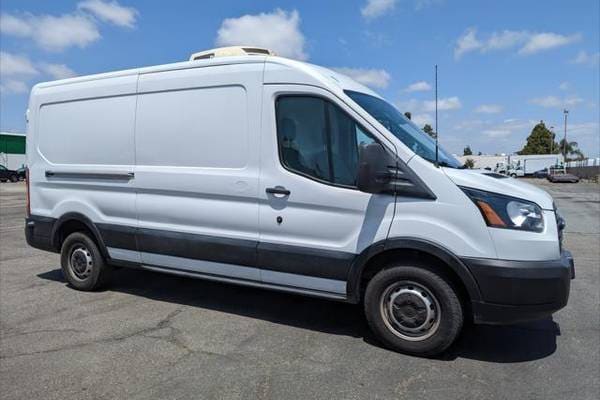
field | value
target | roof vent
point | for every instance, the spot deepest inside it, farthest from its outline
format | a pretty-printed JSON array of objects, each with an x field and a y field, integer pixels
[{"x": 231, "y": 51}]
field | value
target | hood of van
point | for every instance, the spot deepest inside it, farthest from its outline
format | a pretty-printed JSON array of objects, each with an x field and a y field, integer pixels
[{"x": 496, "y": 183}]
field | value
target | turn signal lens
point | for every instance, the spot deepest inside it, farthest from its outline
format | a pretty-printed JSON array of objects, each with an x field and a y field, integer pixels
[{"x": 490, "y": 215}]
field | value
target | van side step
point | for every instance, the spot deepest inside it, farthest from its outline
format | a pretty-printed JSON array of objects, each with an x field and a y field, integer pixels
[{"x": 244, "y": 282}]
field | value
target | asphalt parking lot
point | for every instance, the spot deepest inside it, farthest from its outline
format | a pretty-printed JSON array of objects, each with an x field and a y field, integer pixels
[{"x": 158, "y": 336}]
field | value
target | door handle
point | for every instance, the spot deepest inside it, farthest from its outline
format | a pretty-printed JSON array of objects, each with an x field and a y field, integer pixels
[{"x": 278, "y": 190}]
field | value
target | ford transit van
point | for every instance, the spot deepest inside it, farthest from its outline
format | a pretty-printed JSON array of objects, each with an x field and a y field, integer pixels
[{"x": 247, "y": 168}]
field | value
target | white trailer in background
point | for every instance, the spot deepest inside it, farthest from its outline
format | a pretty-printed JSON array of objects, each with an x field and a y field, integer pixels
[
  {"x": 527, "y": 163},
  {"x": 536, "y": 162}
]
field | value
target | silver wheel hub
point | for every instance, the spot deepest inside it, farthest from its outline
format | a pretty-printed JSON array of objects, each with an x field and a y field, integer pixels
[
  {"x": 410, "y": 311},
  {"x": 81, "y": 262}
]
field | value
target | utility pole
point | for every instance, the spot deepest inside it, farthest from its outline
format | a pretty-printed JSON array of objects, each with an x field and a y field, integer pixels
[
  {"x": 551, "y": 139},
  {"x": 566, "y": 112},
  {"x": 437, "y": 161}
]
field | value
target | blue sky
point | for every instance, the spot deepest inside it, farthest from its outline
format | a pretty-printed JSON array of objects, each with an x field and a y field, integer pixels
[{"x": 503, "y": 65}]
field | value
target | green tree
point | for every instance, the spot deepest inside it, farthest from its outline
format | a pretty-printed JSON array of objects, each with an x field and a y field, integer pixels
[
  {"x": 570, "y": 150},
  {"x": 429, "y": 130},
  {"x": 467, "y": 151},
  {"x": 540, "y": 141},
  {"x": 408, "y": 115},
  {"x": 469, "y": 163}
]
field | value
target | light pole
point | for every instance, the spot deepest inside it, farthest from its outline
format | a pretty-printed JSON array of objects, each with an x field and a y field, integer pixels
[{"x": 566, "y": 112}]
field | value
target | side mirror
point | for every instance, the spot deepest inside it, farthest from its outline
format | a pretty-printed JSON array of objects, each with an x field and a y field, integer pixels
[{"x": 374, "y": 174}]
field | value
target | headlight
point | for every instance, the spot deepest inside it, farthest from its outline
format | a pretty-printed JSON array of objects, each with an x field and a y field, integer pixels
[{"x": 501, "y": 211}]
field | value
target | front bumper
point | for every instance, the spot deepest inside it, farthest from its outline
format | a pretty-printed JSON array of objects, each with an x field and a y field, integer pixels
[{"x": 516, "y": 291}]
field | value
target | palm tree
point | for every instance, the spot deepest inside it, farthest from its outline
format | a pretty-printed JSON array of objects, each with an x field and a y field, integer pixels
[{"x": 570, "y": 149}]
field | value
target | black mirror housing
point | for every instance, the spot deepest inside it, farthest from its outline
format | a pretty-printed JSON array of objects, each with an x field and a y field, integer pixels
[{"x": 374, "y": 174}]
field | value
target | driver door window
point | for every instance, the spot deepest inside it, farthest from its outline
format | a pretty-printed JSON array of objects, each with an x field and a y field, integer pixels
[{"x": 319, "y": 140}]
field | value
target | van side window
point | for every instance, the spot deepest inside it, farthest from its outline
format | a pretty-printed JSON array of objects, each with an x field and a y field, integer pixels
[
  {"x": 319, "y": 140},
  {"x": 302, "y": 136}
]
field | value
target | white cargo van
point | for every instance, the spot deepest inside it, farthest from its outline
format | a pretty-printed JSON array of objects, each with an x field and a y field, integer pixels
[{"x": 258, "y": 170}]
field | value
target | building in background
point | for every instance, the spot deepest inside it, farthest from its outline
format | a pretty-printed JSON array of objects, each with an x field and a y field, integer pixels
[
  {"x": 12, "y": 149},
  {"x": 529, "y": 163}
]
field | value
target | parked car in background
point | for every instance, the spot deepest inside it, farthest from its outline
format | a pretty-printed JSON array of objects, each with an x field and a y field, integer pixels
[
  {"x": 515, "y": 171},
  {"x": 559, "y": 176},
  {"x": 542, "y": 173},
  {"x": 8, "y": 174},
  {"x": 21, "y": 173}
]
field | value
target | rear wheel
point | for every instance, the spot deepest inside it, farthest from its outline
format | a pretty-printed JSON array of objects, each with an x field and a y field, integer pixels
[
  {"x": 82, "y": 263},
  {"x": 14, "y": 178},
  {"x": 413, "y": 310}
]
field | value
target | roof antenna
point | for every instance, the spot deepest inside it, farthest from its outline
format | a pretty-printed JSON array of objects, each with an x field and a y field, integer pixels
[{"x": 437, "y": 164}]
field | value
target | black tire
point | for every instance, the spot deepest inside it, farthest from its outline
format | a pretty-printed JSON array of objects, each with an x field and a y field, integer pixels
[
  {"x": 87, "y": 269},
  {"x": 14, "y": 178},
  {"x": 443, "y": 297}
]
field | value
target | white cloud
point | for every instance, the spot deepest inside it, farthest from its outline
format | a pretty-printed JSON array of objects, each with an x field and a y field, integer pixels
[
  {"x": 544, "y": 41},
  {"x": 420, "y": 86},
  {"x": 111, "y": 12},
  {"x": 278, "y": 31},
  {"x": 507, "y": 127},
  {"x": 449, "y": 103},
  {"x": 585, "y": 129},
  {"x": 466, "y": 43},
  {"x": 556, "y": 102},
  {"x": 15, "y": 65},
  {"x": 505, "y": 40},
  {"x": 13, "y": 86},
  {"x": 528, "y": 42},
  {"x": 497, "y": 133},
  {"x": 377, "y": 8},
  {"x": 488, "y": 109},
  {"x": 52, "y": 33},
  {"x": 564, "y": 85},
  {"x": 11, "y": 25},
  {"x": 586, "y": 59},
  {"x": 421, "y": 119},
  {"x": 16, "y": 71},
  {"x": 375, "y": 78},
  {"x": 412, "y": 105},
  {"x": 58, "y": 71},
  {"x": 423, "y": 107}
]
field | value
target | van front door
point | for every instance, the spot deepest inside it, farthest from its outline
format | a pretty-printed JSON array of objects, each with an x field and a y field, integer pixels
[{"x": 313, "y": 220}]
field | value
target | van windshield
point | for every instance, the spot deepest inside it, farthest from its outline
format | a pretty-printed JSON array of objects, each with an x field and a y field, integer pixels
[{"x": 405, "y": 130}]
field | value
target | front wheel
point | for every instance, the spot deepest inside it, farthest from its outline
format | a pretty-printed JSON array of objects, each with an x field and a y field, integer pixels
[{"x": 413, "y": 310}]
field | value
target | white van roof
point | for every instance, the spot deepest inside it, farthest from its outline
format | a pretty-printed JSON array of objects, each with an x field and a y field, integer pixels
[{"x": 278, "y": 70}]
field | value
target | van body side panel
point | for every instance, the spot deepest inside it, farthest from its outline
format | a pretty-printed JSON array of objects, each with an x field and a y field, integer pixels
[
  {"x": 452, "y": 221},
  {"x": 81, "y": 151},
  {"x": 197, "y": 133}
]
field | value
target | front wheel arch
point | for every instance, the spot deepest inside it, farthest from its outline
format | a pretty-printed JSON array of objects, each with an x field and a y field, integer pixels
[{"x": 380, "y": 254}]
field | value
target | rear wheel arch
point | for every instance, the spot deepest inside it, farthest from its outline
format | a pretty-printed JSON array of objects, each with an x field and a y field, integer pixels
[
  {"x": 408, "y": 250},
  {"x": 76, "y": 222}
]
